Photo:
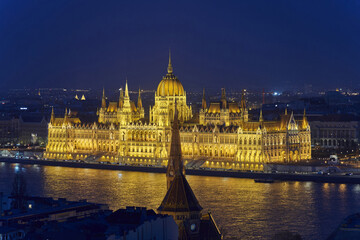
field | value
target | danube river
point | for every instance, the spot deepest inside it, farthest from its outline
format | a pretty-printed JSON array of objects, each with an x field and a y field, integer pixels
[{"x": 243, "y": 209}]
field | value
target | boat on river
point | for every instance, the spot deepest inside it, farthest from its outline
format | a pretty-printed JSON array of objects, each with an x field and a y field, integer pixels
[{"x": 264, "y": 180}]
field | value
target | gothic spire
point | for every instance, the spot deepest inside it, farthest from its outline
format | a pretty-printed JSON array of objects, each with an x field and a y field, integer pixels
[
  {"x": 139, "y": 103},
  {"x": 243, "y": 103},
  {"x": 121, "y": 98},
  {"x": 175, "y": 164},
  {"x": 223, "y": 98},
  {"x": 66, "y": 114},
  {"x": 204, "y": 100},
  {"x": 304, "y": 122},
  {"x": 261, "y": 119},
  {"x": 52, "y": 118},
  {"x": 103, "y": 100}
]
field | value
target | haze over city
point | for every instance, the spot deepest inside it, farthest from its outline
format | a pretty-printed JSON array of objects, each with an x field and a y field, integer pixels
[{"x": 277, "y": 45}]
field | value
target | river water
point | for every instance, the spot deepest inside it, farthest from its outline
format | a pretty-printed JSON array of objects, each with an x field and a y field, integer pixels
[{"x": 242, "y": 208}]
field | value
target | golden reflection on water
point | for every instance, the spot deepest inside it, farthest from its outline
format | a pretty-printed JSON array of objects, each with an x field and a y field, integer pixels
[
  {"x": 237, "y": 204},
  {"x": 242, "y": 208}
]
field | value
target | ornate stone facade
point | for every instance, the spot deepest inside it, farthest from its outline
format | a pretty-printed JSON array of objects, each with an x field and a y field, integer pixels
[
  {"x": 224, "y": 137},
  {"x": 123, "y": 111},
  {"x": 223, "y": 113},
  {"x": 169, "y": 92}
]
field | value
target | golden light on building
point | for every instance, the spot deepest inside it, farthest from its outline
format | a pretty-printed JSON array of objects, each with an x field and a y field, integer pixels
[{"x": 223, "y": 136}]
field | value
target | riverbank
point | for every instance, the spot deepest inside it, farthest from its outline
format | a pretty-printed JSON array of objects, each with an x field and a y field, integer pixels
[{"x": 335, "y": 178}]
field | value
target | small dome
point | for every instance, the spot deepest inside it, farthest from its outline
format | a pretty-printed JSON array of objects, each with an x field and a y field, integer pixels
[{"x": 170, "y": 86}]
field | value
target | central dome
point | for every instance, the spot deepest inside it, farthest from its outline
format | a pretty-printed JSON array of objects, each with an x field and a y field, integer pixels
[{"x": 170, "y": 85}]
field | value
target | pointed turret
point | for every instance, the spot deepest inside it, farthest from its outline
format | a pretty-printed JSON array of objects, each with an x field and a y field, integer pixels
[
  {"x": 304, "y": 121},
  {"x": 261, "y": 119},
  {"x": 243, "y": 102},
  {"x": 175, "y": 164},
  {"x": 203, "y": 101},
  {"x": 139, "y": 103},
  {"x": 223, "y": 98},
  {"x": 65, "y": 115},
  {"x": 292, "y": 125},
  {"x": 170, "y": 68},
  {"x": 52, "y": 118},
  {"x": 103, "y": 99},
  {"x": 121, "y": 98},
  {"x": 126, "y": 108}
]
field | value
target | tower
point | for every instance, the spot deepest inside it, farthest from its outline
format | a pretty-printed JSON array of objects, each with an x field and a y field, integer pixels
[
  {"x": 175, "y": 163},
  {"x": 180, "y": 201}
]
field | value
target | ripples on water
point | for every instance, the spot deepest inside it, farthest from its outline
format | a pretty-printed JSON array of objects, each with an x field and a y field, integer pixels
[{"x": 242, "y": 208}]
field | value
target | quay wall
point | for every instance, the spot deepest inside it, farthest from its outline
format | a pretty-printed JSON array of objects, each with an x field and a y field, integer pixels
[{"x": 338, "y": 178}]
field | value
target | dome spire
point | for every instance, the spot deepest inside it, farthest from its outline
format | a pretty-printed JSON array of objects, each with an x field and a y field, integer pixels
[{"x": 170, "y": 69}]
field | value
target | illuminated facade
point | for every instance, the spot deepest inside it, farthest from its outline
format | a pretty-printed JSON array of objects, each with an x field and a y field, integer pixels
[
  {"x": 223, "y": 113},
  {"x": 169, "y": 92},
  {"x": 224, "y": 137}
]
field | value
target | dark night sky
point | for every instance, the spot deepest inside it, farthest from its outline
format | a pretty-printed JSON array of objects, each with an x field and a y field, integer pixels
[{"x": 234, "y": 44}]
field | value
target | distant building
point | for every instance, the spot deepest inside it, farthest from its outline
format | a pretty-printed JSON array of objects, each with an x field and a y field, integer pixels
[
  {"x": 39, "y": 209},
  {"x": 32, "y": 129},
  {"x": 9, "y": 131},
  {"x": 335, "y": 131},
  {"x": 25, "y": 129},
  {"x": 47, "y": 218}
]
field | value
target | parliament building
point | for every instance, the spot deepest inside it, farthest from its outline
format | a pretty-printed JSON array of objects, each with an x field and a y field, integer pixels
[{"x": 222, "y": 137}]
